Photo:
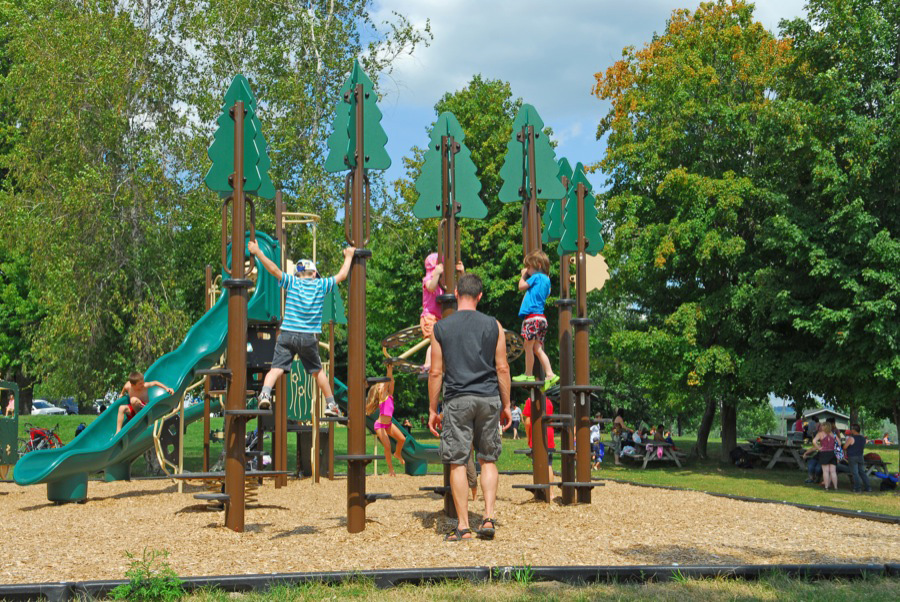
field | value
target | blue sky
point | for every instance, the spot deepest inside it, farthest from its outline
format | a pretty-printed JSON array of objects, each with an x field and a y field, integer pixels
[{"x": 572, "y": 40}]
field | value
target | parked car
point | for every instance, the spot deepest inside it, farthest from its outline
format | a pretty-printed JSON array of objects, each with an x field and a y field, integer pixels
[
  {"x": 42, "y": 406},
  {"x": 69, "y": 405}
]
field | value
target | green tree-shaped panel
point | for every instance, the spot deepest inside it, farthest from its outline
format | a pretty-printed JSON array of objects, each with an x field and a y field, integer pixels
[
  {"x": 333, "y": 311},
  {"x": 221, "y": 151},
  {"x": 514, "y": 171},
  {"x": 466, "y": 184},
  {"x": 568, "y": 242},
  {"x": 553, "y": 213},
  {"x": 342, "y": 141}
]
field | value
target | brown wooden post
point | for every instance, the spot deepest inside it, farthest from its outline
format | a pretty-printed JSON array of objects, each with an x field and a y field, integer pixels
[
  {"x": 331, "y": 427},
  {"x": 356, "y": 343},
  {"x": 236, "y": 427},
  {"x": 566, "y": 372},
  {"x": 582, "y": 363},
  {"x": 448, "y": 237},
  {"x": 206, "y": 404},
  {"x": 279, "y": 422},
  {"x": 539, "y": 459}
]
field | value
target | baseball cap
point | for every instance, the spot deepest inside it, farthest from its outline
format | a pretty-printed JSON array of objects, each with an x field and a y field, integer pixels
[{"x": 306, "y": 265}]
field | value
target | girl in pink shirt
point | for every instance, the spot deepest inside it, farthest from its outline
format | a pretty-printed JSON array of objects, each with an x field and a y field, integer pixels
[
  {"x": 381, "y": 396},
  {"x": 431, "y": 290}
]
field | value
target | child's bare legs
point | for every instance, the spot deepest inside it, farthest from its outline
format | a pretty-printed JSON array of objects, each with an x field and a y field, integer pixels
[
  {"x": 542, "y": 357},
  {"x": 120, "y": 419},
  {"x": 382, "y": 435},
  {"x": 322, "y": 381},
  {"x": 401, "y": 441},
  {"x": 427, "y": 365},
  {"x": 272, "y": 377},
  {"x": 529, "y": 357}
]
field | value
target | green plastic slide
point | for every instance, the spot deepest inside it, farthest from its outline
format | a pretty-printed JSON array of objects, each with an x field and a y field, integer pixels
[
  {"x": 416, "y": 455},
  {"x": 99, "y": 447}
]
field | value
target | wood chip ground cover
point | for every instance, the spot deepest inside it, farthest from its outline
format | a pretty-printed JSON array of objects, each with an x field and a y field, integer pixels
[{"x": 302, "y": 527}]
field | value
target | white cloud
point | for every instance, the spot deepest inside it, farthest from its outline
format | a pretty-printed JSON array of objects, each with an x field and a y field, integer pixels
[{"x": 548, "y": 51}]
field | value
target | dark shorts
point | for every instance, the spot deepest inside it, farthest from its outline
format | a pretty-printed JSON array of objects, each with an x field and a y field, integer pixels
[
  {"x": 534, "y": 329},
  {"x": 289, "y": 344},
  {"x": 470, "y": 421},
  {"x": 515, "y": 425},
  {"x": 827, "y": 457}
]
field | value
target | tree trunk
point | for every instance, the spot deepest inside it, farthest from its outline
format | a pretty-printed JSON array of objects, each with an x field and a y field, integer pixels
[
  {"x": 705, "y": 425},
  {"x": 729, "y": 429},
  {"x": 678, "y": 424},
  {"x": 854, "y": 414}
]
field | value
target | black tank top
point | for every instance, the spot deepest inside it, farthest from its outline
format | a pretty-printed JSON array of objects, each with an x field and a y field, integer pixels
[
  {"x": 468, "y": 341},
  {"x": 856, "y": 450}
]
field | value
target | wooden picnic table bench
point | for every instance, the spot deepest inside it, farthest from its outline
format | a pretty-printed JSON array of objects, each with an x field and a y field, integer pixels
[
  {"x": 777, "y": 450},
  {"x": 651, "y": 455},
  {"x": 873, "y": 465}
]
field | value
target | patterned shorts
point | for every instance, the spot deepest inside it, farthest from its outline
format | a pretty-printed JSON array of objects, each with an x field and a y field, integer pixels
[{"x": 534, "y": 329}]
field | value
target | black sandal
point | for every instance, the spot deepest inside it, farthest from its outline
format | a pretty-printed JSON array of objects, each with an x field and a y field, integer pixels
[
  {"x": 457, "y": 535},
  {"x": 487, "y": 532}
]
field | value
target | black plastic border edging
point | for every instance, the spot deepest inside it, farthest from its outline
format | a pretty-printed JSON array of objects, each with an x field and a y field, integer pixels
[
  {"x": 574, "y": 575},
  {"x": 881, "y": 518}
]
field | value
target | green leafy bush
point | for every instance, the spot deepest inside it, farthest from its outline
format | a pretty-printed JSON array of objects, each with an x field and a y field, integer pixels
[{"x": 150, "y": 579}]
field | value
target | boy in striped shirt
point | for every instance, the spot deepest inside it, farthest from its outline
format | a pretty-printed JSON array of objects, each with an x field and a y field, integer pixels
[{"x": 302, "y": 322}]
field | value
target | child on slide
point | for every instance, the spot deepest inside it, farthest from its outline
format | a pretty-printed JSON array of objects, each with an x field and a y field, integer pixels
[
  {"x": 431, "y": 290},
  {"x": 138, "y": 393},
  {"x": 536, "y": 284},
  {"x": 304, "y": 302},
  {"x": 381, "y": 396}
]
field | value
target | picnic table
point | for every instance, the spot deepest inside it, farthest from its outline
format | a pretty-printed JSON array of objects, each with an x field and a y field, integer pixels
[
  {"x": 776, "y": 448},
  {"x": 651, "y": 455}
]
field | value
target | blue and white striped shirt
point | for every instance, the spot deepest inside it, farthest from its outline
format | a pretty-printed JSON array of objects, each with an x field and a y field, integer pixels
[{"x": 304, "y": 302}]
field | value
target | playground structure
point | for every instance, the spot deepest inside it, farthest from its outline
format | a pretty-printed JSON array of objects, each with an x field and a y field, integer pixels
[{"x": 254, "y": 304}]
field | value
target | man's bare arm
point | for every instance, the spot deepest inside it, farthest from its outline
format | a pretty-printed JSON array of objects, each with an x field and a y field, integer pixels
[
  {"x": 267, "y": 263},
  {"x": 502, "y": 366}
]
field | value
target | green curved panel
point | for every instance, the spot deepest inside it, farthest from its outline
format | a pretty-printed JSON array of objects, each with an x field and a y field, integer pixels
[
  {"x": 99, "y": 447},
  {"x": 553, "y": 212}
]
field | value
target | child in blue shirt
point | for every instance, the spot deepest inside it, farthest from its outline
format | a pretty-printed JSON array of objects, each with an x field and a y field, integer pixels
[
  {"x": 536, "y": 284},
  {"x": 302, "y": 323}
]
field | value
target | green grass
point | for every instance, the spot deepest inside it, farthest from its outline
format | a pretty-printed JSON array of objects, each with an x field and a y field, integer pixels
[
  {"x": 772, "y": 587},
  {"x": 781, "y": 484}
]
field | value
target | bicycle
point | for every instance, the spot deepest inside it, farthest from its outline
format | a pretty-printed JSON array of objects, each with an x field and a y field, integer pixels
[{"x": 41, "y": 438}]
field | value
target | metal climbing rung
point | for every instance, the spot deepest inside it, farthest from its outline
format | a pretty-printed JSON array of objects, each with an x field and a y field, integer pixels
[
  {"x": 248, "y": 413},
  {"x": 374, "y": 497},
  {"x": 357, "y": 457},
  {"x": 212, "y": 497},
  {"x": 213, "y": 372}
]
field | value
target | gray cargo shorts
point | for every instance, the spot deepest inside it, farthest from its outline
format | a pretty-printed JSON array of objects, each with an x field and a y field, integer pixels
[{"x": 470, "y": 421}]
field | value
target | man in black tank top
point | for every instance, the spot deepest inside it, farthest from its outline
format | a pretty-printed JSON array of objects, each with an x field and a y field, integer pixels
[{"x": 468, "y": 364}]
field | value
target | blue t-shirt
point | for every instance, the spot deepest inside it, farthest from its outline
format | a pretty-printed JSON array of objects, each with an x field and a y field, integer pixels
[
  {"x": 536, "y": 295},
  {"x": 304, "y": 302}
]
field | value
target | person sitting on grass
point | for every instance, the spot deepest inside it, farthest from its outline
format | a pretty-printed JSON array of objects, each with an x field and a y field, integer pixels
[
  {"x": 381, "y": 396},
  {"x": 138, "y": 397},
  {"x": 304, "y": 302}
]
